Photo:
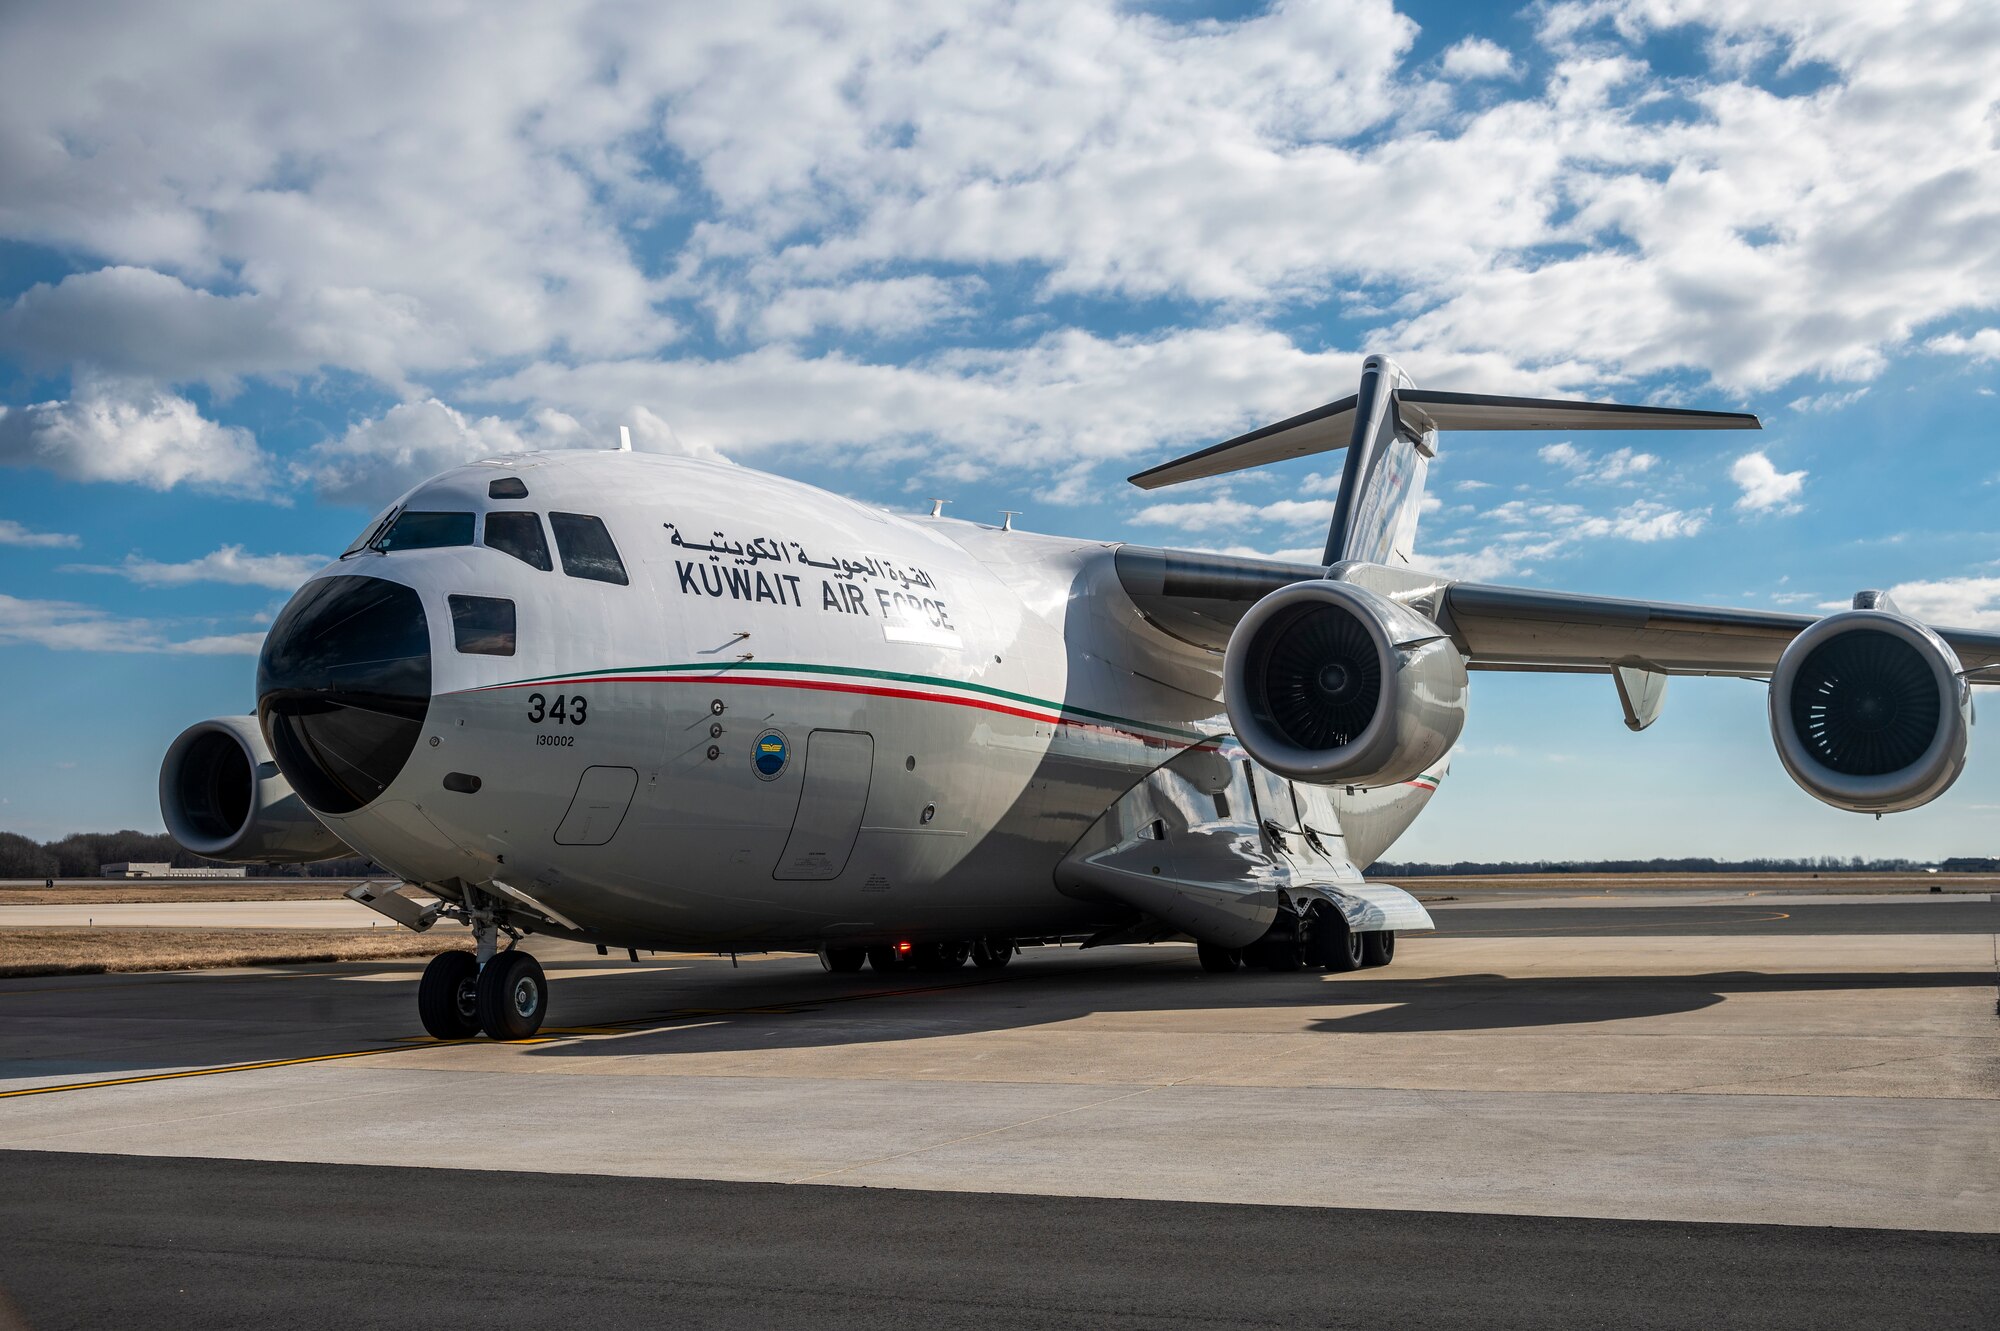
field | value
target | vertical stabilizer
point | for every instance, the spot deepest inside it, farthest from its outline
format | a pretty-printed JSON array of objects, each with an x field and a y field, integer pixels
[{"x": 1382, "y": 483}]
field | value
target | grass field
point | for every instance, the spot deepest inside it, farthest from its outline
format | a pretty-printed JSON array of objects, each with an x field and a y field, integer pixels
[
  {"x": 94, "y": 951},
  {"x": 104, "y": 891}
]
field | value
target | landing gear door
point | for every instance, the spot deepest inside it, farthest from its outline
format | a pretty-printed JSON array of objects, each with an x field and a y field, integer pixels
[{"x": 839, "y": 766}]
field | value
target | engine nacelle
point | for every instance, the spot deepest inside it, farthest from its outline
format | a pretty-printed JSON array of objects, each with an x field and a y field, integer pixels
[
  {"x": 1870, "y": 712},
  {"x": 1332, "y": 683},
  {"x": 223, "y": 797}
]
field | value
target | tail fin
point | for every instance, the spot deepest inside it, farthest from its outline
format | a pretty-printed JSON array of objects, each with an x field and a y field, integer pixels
[{"x": 1389, "y": 429}]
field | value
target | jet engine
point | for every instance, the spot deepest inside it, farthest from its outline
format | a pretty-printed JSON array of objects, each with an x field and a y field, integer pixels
[
  {"x": 1870, "y": 710},
  {"x": 1331, "y": 683},
  {"x": 223, "y": 797}
]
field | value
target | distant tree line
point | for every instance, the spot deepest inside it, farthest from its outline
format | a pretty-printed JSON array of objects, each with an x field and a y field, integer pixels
[
  {"x": 1686, "y": 864},
  {"x": 80, "y": 855}
]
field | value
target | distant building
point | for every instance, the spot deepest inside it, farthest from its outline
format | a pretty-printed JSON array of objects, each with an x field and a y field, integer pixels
[{"x": 163, "y": 871}]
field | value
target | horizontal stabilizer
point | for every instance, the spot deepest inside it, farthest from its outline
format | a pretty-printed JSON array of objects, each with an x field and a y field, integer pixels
[{"x": 1331, "y": 427}]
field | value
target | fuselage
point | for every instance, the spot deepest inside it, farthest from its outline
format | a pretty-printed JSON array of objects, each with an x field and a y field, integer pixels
[{"x": 796, "y": 720}]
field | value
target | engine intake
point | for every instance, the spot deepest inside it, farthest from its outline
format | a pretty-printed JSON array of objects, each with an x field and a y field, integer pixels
[
  {"x": 1870, "y": 712},
  {"x": 1332, "y": 683},
  {"x": 223, "y": 797}
]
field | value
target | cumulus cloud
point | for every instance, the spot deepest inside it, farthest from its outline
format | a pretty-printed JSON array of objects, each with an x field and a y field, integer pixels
[
  {"x": 1765, "y": 488},
  {"x": 13, "y": 533},
  {"x": 1066, "y": 397},
  {"x": 1477, "y": 58},
  {"x": 118, "y": 430},
  {"x": 1823, "y": 402},
  {"x": 65, "y": 626},
  {"x": 1598, "y": 469},
  {"x": 1224, "y": 512},
  {"x": 552, "y": 199},
  {"x": 1966, "y": 603},
  {"x": 1539, "y": 531},
  {"x": 229, "y": 565},
  {"x": 1982, "y": 345},
  {"x": 379, "y": 458},
  {"x": 889, "y": 307}
]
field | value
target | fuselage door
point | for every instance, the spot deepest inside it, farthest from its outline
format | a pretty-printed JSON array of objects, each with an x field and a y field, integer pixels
[
  {"x": 839, "y": 767},
  {"x": 602, "y": 798}
]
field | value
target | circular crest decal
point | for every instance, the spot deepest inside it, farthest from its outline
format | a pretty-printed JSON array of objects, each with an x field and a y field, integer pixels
[{"x": 770, "y": 753}]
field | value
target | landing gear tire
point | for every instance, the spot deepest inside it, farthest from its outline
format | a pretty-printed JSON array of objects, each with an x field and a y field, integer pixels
[
  {"x": 1378, "y": 949},
  {"x": 990, "y": 954},
  {"x": 448, "y": 996},
  {"x": 1218, "y": 960},
  {"x": 887, "y": 959},
  {"x": 1342, "y": 948},
  {"x": 940, "y": 958},
  {"x": 513, "y": 996},
  {"x": 842, "y": 960}
]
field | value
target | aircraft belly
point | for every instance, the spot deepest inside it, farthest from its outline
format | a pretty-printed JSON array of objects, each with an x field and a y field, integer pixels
[{"x": 966, "y": 810}]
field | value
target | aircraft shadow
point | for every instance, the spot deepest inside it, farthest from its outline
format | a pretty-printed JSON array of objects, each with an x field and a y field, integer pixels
[{"x": 702, "y": 1005}]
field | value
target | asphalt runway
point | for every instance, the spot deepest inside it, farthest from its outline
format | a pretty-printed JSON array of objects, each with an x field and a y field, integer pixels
[
  {"x": 144, "y": 1241},
  {"x": 1604, "y": 1121}
]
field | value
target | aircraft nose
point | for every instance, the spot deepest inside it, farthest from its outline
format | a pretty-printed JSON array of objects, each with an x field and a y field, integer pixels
[{"x": 343, "y": 686}]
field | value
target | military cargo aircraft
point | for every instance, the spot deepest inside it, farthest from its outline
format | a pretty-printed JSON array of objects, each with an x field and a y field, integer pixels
[{"x": 658, "y": 702}]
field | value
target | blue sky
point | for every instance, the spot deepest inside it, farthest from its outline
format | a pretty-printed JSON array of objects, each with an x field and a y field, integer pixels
[{"x": 262, "y": 268}]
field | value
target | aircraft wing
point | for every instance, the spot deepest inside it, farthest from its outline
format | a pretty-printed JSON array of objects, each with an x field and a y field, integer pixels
[{"x": 1199, "y": 597}]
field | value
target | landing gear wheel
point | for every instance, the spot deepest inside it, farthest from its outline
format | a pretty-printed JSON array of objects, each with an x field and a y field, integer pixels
[
  {"x": 940, "y": 958},
  {"x": 513, "y": 996},
  {"x": 842, "y": 960},
  {"x": 1342, "y": 949},
  {"x": 887, "y": 959},
  {"x": 1379, "y": 948},
  {"x": 448, "y": 996},
  {"x": 990, "y": 954},
  {"x": 1217, "y": 960}
]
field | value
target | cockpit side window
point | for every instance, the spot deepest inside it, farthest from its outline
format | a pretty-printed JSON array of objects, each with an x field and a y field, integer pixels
[
  {"x": 372, "y": 532},
  {"x": 413, "y": 530},
  {"x": 586, "y": 548},
  {"x": 519, "y": 535},
  {"x": 482, "y": 625}
]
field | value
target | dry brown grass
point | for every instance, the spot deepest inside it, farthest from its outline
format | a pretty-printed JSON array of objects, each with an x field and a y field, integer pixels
[
  {"x": 93, "y": 951},
  {"x": 95, "y": 892}
]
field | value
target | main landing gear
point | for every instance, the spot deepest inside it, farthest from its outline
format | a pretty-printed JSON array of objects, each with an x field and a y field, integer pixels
[
  {"x": 1328, "y": 944},
  {"x": 504, "y": 994},
  {"x": 987, "y": 954}
]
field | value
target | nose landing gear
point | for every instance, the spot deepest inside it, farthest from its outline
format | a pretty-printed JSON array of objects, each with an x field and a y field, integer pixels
[{"x": 504, "y": 994}]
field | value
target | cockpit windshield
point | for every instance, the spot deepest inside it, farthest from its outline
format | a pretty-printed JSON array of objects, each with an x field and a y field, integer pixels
[{"x": 414, "y": 530}]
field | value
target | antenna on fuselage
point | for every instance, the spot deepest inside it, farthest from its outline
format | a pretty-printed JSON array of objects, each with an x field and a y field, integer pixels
[{"x": 624, "y": 439}]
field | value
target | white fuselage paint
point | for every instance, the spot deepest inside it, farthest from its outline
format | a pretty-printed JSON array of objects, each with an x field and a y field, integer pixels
[{"x": 1008, "y": 689}]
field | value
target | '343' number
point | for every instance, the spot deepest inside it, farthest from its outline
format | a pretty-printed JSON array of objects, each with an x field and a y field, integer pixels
[{"x": 571, "y": 710}]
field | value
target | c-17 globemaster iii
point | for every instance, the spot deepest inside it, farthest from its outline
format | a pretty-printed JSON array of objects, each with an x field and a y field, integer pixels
[{"x": 659, "y": 702}]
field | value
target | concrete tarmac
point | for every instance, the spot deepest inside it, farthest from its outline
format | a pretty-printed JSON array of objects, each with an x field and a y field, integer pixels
[{"x": 1848, "y": 1082}]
